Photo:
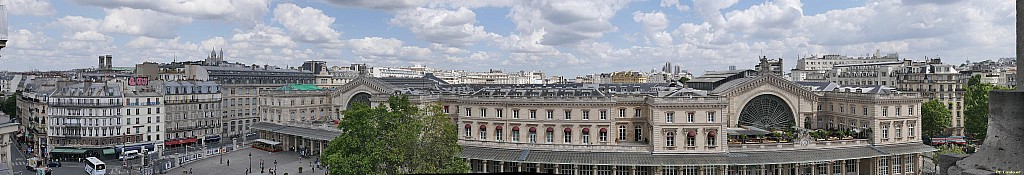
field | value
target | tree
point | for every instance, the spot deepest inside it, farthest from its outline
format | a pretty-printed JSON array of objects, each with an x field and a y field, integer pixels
[
  {"x": 10, "y": 105},
  {"x": 683, "y": 79},
  {"x": 976, "y": 106},
  {"x": 396, "y": 138},
  {"x": 935, "y": 117}
]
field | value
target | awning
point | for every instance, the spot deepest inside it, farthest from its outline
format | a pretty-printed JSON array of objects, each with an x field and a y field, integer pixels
[
  {"x": 190, "y": 140},
  {"x": 498, "y": 127},
  {"x": 172, "y": 142},
  {"x": 269, "y": 142},
  {"x": 109, "y": 151},
  {"x": 67, "y": 151}
]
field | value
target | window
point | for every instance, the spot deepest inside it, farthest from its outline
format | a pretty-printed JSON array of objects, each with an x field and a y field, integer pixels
[
  {"x": 586, "y": 135},
  {"x": 604, "y": 115},
  {"x": 842, "y": 108},
  {"x": 533, "y": 114},
  {"x": 533, "y": 136},
  {"x": 865, "y": 111},
  {"x": 469, "y": 131},
  {"x": 568, "y": 114},
  {"x": 515, "y": 113},
  {"x": 515, "y": 135},
  {"x": 897, "y": 168},
  {"x": 689, "y": 117},
  {"x": 669, "y": 117},
  {"x": 897, "y": 111},
  {"x": 910, "y": 164},
  {"x": 910, "y": 129},
  {"x": 910, "y": 110},
  {"x": 550, "y": 136},
  {"x": 691, "y": 141},
  {"x": 622, "y": 113},
  {"x": 711, "y": 117},
  {"x": 637, "y": 115},
  {"x": 499, "y": 112},
  {"x": 568, "y": 136},
  {"x": 898, "y": 128},
  {"x": 639, "y": 133},
  {"x": 469, "y": 112},
  {"x": 622, "y": 133},
  {"x": 711, "y": 139},
  {"x": 483, "y": 132},
  {"x": 586, "y": 115},
  {"x": 483, "y": 112},
  {"x": 885, "y": 111},
  {"x": 551, "y": 114},
  {"x": 885, "y": 131},
  {"x": 670, "y": 140},
  {"x": 497, "y": 134},
  {"x": 603, "y": 135}
]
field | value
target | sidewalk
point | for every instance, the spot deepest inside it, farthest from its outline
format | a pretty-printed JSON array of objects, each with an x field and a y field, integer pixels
[{"x": 287, "y": 162}]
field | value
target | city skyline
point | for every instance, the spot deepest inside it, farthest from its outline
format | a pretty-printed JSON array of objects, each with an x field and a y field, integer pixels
[{"x": 584, "y": 36}]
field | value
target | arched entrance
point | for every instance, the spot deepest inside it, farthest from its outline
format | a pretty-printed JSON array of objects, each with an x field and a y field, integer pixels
[
  {"x": 767, "y": 112},
  {"x": 361, "y": 97}
]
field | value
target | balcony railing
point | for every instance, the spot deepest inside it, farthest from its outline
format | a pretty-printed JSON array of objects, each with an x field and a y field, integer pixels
[
  {"x": 59, "y": 104},
  {"x": 192, "y": 101},
  {"x": 142, "y": 104},
  {"x": 609, "y": 146},
  {"x": 797, "y": 145}
]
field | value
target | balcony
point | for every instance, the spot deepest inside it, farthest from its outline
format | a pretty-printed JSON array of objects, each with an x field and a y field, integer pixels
[
  {"x": 778, "y": 146},
  {"x": 169, "y": 102},
  {"x": 98, "y": 105},
  {"x": 604, "y": 147},
  {"x": 142, "y": 104}
]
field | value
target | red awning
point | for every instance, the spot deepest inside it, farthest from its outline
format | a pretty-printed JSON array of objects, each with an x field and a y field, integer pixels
[
  {"x": 483, "y": 126},
  {"x": 515, "y": 128},
  {"x": 497, "y": 127},
  {"x": 604, "y": 130},
  {"x": 551, "y": 129},
  {"x": 691, "y": 134},
  {"x": 586, "y": 130},
  {"x": 190, "y": 140},
  {"x": 172, "y": 142},
  {"x": 532, "y": 129},
  {"x": 467, "y": 126},
  {"x": 568, "y": 129},
  {"x": 712, "y": 134}
]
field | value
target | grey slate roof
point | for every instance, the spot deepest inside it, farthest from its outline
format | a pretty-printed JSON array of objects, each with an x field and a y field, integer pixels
[
  {"x": 731, "y": 84},
  {"x": 648, "y": 159}
]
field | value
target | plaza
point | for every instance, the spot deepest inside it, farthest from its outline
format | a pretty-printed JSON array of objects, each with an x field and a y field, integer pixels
[{"x": 287, "y": 162}]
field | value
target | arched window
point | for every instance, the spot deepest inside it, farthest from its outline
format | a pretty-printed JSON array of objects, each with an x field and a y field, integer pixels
[
  {"x": 469, "y": 130},
  {"x": 497, "y": 133},
  {"x": 550, "y": 135},
  {"x": 691, "y": 139},
  {"x": 586, "y": 135},
  {"x": 639, "y": 133},
  {"x": 568, "y": 136},
  {"x": 622, "y": 133},
  {"x": 483, "y": 132},
  {"x": 515, "y": 134},
  {"x": 670, "y": 139},
  {"x": 533, "y": 135},
  {"x": 712, "y": 138},
  {"x": 603, "y": 135}
]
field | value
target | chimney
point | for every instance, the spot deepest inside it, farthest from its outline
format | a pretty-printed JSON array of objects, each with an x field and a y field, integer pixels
[
  {"x": 110, "y": 61},
  {"x": 102, "y": 64}
]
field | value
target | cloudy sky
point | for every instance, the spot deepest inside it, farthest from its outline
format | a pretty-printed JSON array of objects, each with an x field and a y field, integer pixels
[{"x": 559, "y": 37}]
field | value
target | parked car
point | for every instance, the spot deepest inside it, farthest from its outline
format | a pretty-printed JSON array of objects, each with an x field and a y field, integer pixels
[{"x": 54, "y": 164}]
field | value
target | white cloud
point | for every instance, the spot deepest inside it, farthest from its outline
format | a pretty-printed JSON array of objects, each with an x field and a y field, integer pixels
[
  {"x": 29, "y": 7},
  {"x": 242, "y": 11},
  {"x": 771, "y": 20},
  {"x": 386, "y": 49},
  {"x": 262, "y": 36},
  {"x": 566, "y": 21},
  {"x": 306, "y": 23},
  {"x": 675, "y": 3},
  {"x": 709, "y": 10},
  {"x": 90, "y": 36},
  {"x": 142, "y": 22},
  {"x": 379, "y": 4},
  {"x": 653, "y": 25},
  {"x": 449, "y": 27},
  {"x": 77, "y": 23},
  {"x": 25, "y": 39}
]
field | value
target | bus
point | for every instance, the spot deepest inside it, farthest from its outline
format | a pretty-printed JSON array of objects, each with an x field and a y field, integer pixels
[{"x": 95, "y": 167}]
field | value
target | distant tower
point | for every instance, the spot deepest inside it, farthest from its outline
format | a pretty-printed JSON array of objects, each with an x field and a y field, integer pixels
[
  {"x": 3, "y": 26},
  {"x": 220, "y": 58}
]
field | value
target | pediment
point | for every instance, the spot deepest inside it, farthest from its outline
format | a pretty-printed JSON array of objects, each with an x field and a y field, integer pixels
[{"x": 769, "y": 80}]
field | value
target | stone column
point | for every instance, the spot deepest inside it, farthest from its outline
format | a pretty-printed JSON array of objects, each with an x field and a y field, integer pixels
[
  {"x": 1020, "y": 46},
  {"x": 1001, "y": 151}
]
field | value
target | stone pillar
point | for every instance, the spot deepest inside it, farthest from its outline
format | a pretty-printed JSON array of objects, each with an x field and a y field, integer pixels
[
  {"x": 1020, "y": 46},
  {"x": 1002, "y": 150}
]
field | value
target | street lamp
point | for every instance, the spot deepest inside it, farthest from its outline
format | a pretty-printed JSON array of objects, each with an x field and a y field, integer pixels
[{"x": 250, "y": 163}]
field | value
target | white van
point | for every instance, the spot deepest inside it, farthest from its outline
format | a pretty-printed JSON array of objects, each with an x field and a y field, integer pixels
[{"x": 127, "y": 155}]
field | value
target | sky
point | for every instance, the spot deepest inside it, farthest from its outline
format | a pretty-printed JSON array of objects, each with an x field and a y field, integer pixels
[{"x": 558, "y": 37}]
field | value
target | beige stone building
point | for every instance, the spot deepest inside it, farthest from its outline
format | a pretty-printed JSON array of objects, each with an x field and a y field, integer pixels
[{"x": 735, "y": 122}]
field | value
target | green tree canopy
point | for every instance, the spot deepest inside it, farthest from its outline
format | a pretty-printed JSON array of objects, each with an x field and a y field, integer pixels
[
  {"x": 683, "y": 79},
  {"x": 396, "y": 138},
  {"x": 935, "y": 117},
  {"x": 10, "y": 105},
  {"x": 976, "y": 106}
]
